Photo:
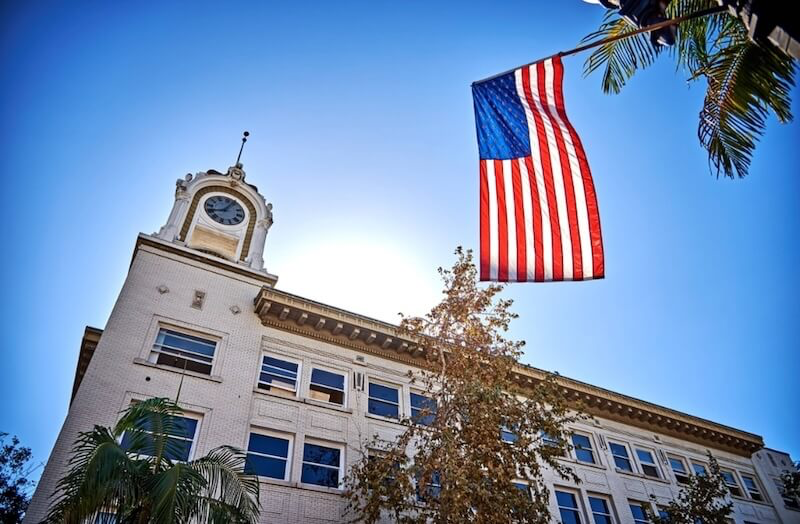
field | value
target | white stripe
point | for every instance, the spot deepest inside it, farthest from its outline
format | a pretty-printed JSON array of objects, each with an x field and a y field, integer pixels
[
  {"x": 558, "y": 176},
  {"x": 493, "y": 233},
  {"x": 527, "y": 209},
  {"x": 577, "y": 179},
  {"x": 511, "y": 221},
  {"x": 536, "y": 156}
]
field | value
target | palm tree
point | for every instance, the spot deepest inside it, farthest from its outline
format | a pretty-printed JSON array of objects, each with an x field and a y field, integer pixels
[
  {"x": 745, "y": 80},
  {"x": 134, "y": 473}
]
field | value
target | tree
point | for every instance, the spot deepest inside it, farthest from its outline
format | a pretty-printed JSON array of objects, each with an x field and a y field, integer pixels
[
  {"x": 133, "y": 472},
  {"x": 745, "y": 80},
  {"x": 13, "y": 480},
  {"x": 702, "y": 499},
  {"x": 479, "y": 442},
  {"x": 790, "y": 483}
]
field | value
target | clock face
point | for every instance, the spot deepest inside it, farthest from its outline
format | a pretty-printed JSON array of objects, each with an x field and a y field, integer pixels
[{"x": 224, "y": 210}]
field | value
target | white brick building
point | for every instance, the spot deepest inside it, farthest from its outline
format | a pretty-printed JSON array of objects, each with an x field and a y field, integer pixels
[{"x": 285, "y": 376}]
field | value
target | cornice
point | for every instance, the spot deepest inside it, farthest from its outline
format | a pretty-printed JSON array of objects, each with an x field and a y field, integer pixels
[
  {"x": 319, "y": 321},
  {"x": 263, "y": 277}
]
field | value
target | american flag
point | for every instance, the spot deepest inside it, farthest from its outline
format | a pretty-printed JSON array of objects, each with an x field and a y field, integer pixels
[{"x": 539, "y": 219}]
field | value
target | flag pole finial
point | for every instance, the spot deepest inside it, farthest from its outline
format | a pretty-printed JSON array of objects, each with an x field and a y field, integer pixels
[{"x": 244, "y": 139}]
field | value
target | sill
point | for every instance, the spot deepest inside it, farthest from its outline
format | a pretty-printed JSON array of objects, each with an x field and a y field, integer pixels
[
  {"x": 384, "y": 419},
  {"x": 320, "y": 489},
  {"x": 580, "y": 463},
  {"x": 188, "y": 373},
  {"x": 276, "y": 482},
  {"x": 309, "y": 401},
  {"x": 642, "y": 476}
]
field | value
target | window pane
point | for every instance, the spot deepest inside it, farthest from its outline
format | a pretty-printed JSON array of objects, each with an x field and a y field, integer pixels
[
  {"x": 699, "y": 469},
  {"x": 326, "y": 378},
  {"x": 376, "y": 407},
  {"x": 265, "y": 466},
  {"x": 638, "y": 513},
  {"x": 581, "y": 441},
  {"x": 508, "y": 436},
  {"x": 321, "y": 455},
  {"x": 319, "y": 475},
  {"x": 618, "y": 450},
  {"x": 645, "y": 456},
  {"x": 583, "y": 448},
  {"x": 384, "y": 393},
  {"x": 420, "y": 403},
  {"x": 566, "y": 499},
  {"x": 281, "y": 367},
  {"x": 268, "y": 445},
  {"x": 677, "y": 465},
  {"x": 186, "y": 342},
  {"x": 598, "y": 505}
]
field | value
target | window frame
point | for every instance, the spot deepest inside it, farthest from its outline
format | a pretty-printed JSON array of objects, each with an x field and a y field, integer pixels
[
  {"x": 609, "y": 506},
  {"x": 184, "y": 414},
  {"x": 675, "y": 474},
  {"x": 411, "y": 406},
  {"x": 759, "y": 490},
  {"x": 328, "y": 369},
  {"x": 628, "y": 457},
  {"x": 644, "y": 505},
  {"x": 279, "y": 356},
  {"x": 324, "y": 444},
  {"x": 287, "y": 474},
  {"x": 653, "y": 464},
  {"x": 576, "y": 496},
  {"x": 154, "y": 350},
  {"x": 386, "y": 384},
  {"x": 592, "y": 450},
  {"x": 736, "y": 483}
]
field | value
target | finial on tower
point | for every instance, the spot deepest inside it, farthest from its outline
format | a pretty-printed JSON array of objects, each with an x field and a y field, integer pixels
[{"x": 244, "y": 139}]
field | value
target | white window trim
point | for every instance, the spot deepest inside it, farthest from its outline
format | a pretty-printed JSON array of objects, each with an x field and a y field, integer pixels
[
  {"x": 287, "y": 474},
  {"x": 279, "y": 356},
  {"x": 654, "y": 464},
  {"x": 643, "y": 504},
  {"x": 152, "y": 352},
  {"x": 687, "y": 472},
  {"x": 609, "y": 504},
  {"x": 400, "y": 394},
  {"x": 311, "y": 367},
  {"x": 592, "y": 442},
  {"x": 737, "y": 483},
  {"x": 326, "y": 444},
  {"x": 630, "y": 457},
  {"x": 759, "y": 489},
  {"x": 578, "y": 500}
]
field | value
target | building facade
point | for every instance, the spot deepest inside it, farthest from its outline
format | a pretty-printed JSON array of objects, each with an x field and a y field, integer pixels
[{"x": 300, "y": 384}]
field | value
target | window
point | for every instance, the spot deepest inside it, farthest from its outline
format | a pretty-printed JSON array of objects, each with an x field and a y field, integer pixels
[
  {"x": 268, "y": 456},
  {"x": 391, "y": 475},
  {"x": 730, "y": 481},
  {"x": 620, "y": 454},
  {"x": 601, "y": 512},
  {"x": 648, "y": 463},
  {"x": 506, "y": 435},
  {"x": 568, "y": 507},
  {"x": 525, "y": 488},
  {"x": 180, "y": 432},
  {"x": 420, "y": 403},
  {"x": 383, "y": 400},
  {"x": 583, "y": 448},
  {"x": 788, "y": 500},
  {"x": 182, "y": 351},
  {"x": 279, "y": 374},
  {"x": 751, "y": 485},
  {"x": 639, "y": 512},
  {"x": 321, "y": 465},
  {"x": 327, "y": 386},
  {"x": 679, "y": 469},
  {"x": 552, "y": 442},
  {"x": 699, "y": 469},
  {"x": 431, "y": 489}
]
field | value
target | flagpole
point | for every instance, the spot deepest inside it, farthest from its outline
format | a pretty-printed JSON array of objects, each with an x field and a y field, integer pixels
[{"x": 590, "y": 45}]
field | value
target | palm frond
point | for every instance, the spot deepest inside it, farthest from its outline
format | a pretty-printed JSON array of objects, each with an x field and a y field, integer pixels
[
  {"x": 622, "y": 58},
  {"x": 745, "y": 82},
  {"x": 230, "y": 495}
]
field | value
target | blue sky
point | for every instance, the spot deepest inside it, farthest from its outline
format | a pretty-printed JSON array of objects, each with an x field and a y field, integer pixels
[{"x": 363, "y": 139}]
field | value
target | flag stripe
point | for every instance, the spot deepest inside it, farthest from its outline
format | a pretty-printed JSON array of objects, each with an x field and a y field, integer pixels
[{"x": 539, "y": 219}]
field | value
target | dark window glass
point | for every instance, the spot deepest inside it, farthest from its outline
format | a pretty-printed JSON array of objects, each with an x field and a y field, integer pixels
[
  {"x": 600, "y": 511},
  {"x": 568, "y": 507},
  {"x": 638, "y": 512},
  {"x": 278, "y": 373},
  {"x": 320, "y": 465},
  {"x": 327, "y": 386},
  {"x": 620, "y": 454},
  {"x": 648, "y": 464},
  {"x": 265, "y": 466},
  {"x": 583, "y": 448},
  {"x": 183, "y": 351},
  {"x": 699, "y": 470},
  {"x": 383, "y": 401},
  {"x": 679, "y": 469},
  {"x": 420, "y": 403},
  {"x": 730, "y": 481}
]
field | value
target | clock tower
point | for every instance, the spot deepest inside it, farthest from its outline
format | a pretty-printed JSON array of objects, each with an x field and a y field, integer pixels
[{"x": 221, "y": 215}]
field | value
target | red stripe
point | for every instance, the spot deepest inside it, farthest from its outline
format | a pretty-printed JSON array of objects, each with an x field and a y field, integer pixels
[
  {"x": 544, "y": 150},
  {"x": 598, "y": 269},
  {"x": 519, "y": 218},
  {"x": 484, "y": 221},
  {"x": 566, "y": 176},
  {"x": 538, "y": 268},
  {"x": 502, "y": 224}
]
